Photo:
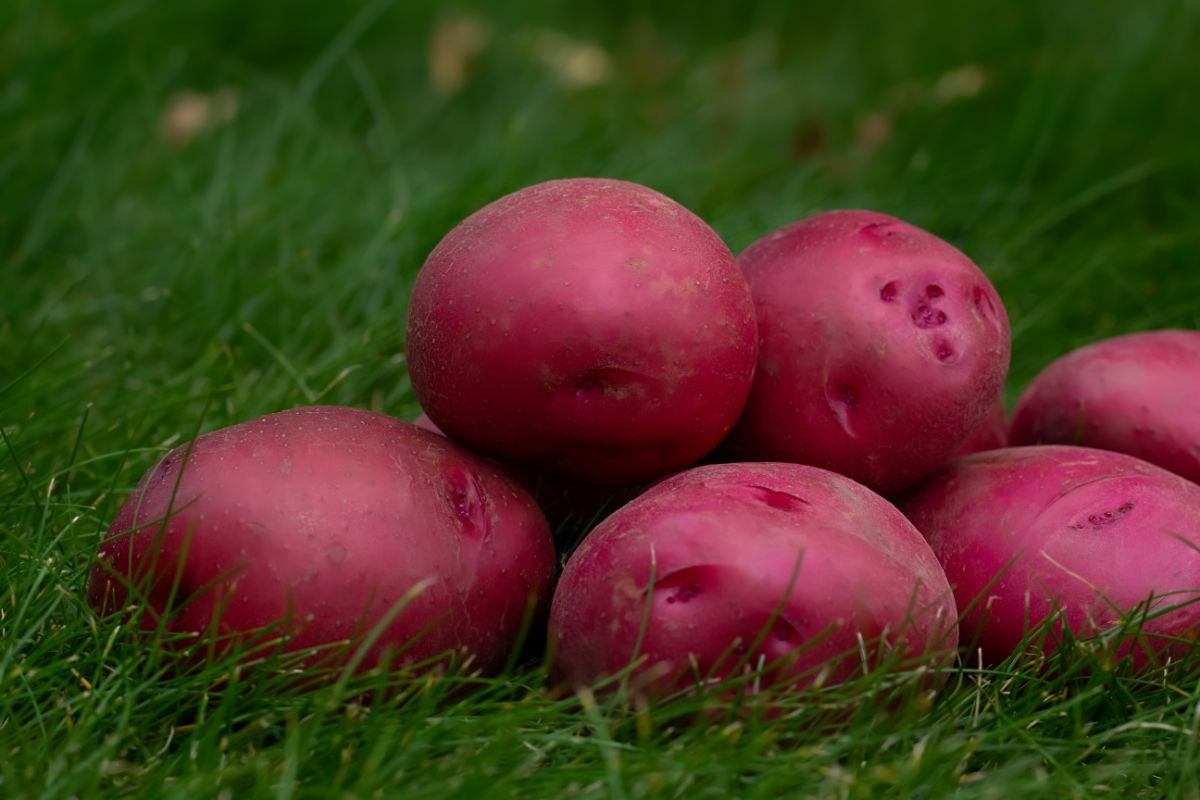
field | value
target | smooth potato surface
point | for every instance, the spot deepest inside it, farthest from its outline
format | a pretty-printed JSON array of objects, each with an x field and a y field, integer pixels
[
  {"x": 706, "y": 557},
  {"x": 991, "y": 435},
  {"x": 1137, "y": 394},
  {"x": 320, "y": 520},
  {"x": 590, "y": 326},
  {"x": 1023, "y": 531}
]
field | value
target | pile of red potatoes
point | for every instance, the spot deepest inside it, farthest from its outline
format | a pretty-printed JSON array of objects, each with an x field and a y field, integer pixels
[{"x": 819, "y": 471}]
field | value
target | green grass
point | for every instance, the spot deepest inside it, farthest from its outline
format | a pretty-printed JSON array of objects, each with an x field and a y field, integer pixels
[{"x": 153, "y": 290}]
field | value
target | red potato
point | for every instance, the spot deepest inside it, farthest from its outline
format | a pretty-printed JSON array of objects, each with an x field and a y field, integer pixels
[
  {"x": 321, "y": 520},
  {"x": 1091, "y": 531},
  {"x": 1137, "y": 394},
  {"x": 881, "y": 348},
  {"x": 426, "y": 424},
  {"x": 991, "y": 435},
  {"x": 722, "y": 543},
  {"x": 589, "y": 326},
  {"x": 564, "y": 500}
]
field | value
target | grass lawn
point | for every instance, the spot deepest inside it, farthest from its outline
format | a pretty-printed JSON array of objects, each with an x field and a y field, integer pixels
[{"x": 173, "y": 263}]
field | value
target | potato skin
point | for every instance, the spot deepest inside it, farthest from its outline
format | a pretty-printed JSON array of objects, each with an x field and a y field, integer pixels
[
  {"x": 721, "y": 542},
  {"x": 991, "y": 435},
  {"x": 325, "y": 517},
  {"x": 426, "y": 424},
  {"x": 1068, "y": 519},
  {"x": 881, "y": 348},
  {"x": 566, "y": 501},
  {"x": 1137, "y": 394},
  {"x": 588, "y": 325}
]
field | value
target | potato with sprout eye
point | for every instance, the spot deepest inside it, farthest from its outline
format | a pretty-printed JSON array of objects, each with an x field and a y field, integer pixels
[
  {"x": 1026, "y": 532},
  {"x": 588, "y": 326},
  {"x": 776, "y": 565},
  {"x": 320, "y": 522},
  {"x": 881, "y": 349}
]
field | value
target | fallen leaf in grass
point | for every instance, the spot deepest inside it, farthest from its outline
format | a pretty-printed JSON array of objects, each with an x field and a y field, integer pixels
[
  {"x": 808, "y": 138},
  {"x": 189, "y": 113},
  {"x": 573, "y": 62},
  {"x": 453, "y": 50},
  {"x": 959, "y": 84},
  {"x": 876, "y": 128},
  {"x": 877, "y": 125}
]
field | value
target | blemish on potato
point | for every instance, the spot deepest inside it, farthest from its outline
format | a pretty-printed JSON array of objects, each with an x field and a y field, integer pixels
[
  {"x": 1101, "y": 519},
  {"x": 778, "y": 499},
  {"x": 468, "y": 502},
  {"x": 983, "y": 303},
  {"x": 925, "y": 316},
  {"x": 590, "y": 381},
  {"x": 683, "y": 594},
  {"x": 848, "y": 395},
  {"x": 883, "y": 230},
  {"x": 785, "y": 631},
  {"x": 683, "y": 585},
  {"x": 842, "y": 399}
]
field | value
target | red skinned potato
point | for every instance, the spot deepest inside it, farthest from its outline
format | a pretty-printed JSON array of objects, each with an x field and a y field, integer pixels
[
  {"x": 321, "y": 520},
  {"x": 1093, "y": 532},
  {"x": 426, "y": 424},
  {"x": 881, "y": 348},
  {"x": 1137, "y": 394},
  {"x": 564, "y": 500},
  {"x": 590, "y": 326},
  {"x": 991, "y": 435},
  {"x": 723, "y": 543}
]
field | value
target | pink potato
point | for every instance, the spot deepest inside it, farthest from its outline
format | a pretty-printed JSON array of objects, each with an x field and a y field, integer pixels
[
  {"x": 722, "y": 543},
  {"x": 1137, "y": 394},
  {"x": 563, "y": 499},
  {"x": 1093, "y": 532},
  {"x": 426, "y": 424},
  {"x": 881, "y": 348},
  {"x": 322, "y": 520},
  {"x": 991, "y": 435},
  {"x": 585, "y": 325}
]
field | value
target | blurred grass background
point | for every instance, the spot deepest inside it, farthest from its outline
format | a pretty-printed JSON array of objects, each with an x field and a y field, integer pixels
[{"x": 213, "y": 210}]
